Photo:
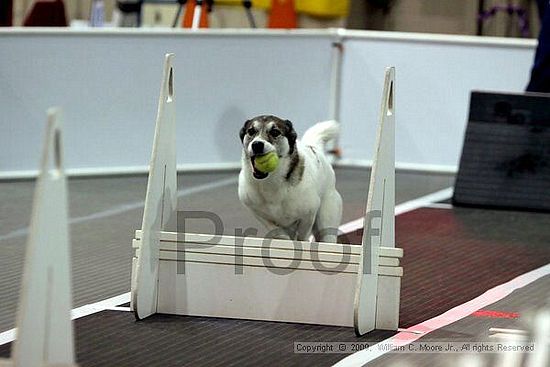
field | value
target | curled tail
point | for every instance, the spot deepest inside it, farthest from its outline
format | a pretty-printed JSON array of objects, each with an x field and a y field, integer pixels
[{"x": 320, "y": 133}]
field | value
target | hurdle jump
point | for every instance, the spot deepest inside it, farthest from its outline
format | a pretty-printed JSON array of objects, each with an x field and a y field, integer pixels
[
  {"x": 328, "y": 284},
  {"x": 44, "y": 328}
]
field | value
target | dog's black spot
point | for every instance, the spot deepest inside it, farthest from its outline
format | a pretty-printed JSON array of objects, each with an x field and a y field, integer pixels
[
  {"x": 243, "y": 130},
  {"x": 291, "y": 136},
  {"x": 295, "y": 169},
  {"x": 314, "y": 152}
]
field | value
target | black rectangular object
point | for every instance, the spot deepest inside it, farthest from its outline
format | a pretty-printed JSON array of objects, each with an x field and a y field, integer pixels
[{"x": 505, "y": 160}]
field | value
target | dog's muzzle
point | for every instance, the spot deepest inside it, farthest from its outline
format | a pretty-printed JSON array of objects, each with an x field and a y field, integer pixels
[{"x": 257, "y": 174}]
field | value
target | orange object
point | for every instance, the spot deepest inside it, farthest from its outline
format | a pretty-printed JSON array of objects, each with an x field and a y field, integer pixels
[
  {"x": 337, "y": 152},
  {"x": 187, "y": 21},
  {"x": 283, "y": 14}
]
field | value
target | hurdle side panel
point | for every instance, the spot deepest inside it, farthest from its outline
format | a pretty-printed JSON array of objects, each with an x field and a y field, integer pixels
[
  {"x": 379, "y": 216},
  {"x": 214, "y": 290},
  {"x": 387, "y": 301},
  {"x": 160, "y": 200},
  {"x": 45, "y": 334}
]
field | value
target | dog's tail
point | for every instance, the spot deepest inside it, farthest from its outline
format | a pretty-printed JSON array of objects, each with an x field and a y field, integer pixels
[{"x": 321, "y": 133}]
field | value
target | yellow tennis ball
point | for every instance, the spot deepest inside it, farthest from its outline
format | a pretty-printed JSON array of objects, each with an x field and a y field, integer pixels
[{"x": 267, "y": 162}]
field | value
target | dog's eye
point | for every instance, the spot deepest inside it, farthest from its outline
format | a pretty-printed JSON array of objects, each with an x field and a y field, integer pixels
[
  {"x": 274, "y": 133},
  {"x": 251, "y": 131}
]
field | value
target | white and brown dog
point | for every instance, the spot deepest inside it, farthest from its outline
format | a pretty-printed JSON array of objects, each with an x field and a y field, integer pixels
[{"x": 299, "y": 197}]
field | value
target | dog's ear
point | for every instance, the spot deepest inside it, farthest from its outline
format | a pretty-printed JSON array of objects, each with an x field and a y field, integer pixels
[
  {"x": 242, "y": 133},
  {"x": 290, "y": 136}
]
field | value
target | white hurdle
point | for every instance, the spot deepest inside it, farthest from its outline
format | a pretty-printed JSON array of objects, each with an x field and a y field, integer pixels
[
  {"x": 44, "y": 328},
  {"x": 382, "y": 310},
  {"x": 265, "y": 279}
]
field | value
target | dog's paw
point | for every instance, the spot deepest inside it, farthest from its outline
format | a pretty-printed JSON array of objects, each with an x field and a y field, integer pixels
[{"x": 278, "y": 234}]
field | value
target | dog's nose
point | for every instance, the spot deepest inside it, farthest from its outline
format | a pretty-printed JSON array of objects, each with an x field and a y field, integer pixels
[{"x": 258, "y": 147}]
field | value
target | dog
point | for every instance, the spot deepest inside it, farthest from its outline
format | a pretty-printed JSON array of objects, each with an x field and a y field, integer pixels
[{"x": 299, "y": 197}]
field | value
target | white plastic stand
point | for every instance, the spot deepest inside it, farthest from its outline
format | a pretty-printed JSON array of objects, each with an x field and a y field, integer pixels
[
  {"x": 44, "y": 328},
  {"x": 160, "y": 201},
  {"x": 264, "y": 279},
  {"x": 382, "y": 310}
]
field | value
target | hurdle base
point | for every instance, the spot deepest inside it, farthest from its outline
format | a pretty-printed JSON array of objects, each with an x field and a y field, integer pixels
[{"x": 200, "y": 275}]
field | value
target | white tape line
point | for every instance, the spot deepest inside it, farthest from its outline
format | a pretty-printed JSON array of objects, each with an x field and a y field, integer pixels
[
  {"x": 125, "y": 309},
  {"x": 127, "y": 207},
  {"x": 99, "y": 306},
  {"x": 457, "y": 313},
  {"x": 440, "y": 206},
  {"x": 9, "y": 335},
  {"x": 403, "y": 208}
]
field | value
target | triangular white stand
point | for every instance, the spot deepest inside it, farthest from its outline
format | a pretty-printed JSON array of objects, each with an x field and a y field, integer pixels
[
  {"x": 243, "y": 277},
  {"x": 382, "y": 311},
  {"x": 160, "y": 204},
  {"x": 44, "y": 328},
  {"x": 540, "y": 330}
]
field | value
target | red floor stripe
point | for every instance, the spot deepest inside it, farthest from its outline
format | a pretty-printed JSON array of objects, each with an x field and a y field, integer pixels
[{"x": 496, "y": 314}]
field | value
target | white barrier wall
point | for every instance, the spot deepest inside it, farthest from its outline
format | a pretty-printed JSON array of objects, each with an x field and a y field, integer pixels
[
  {"x": 107, "y": 82},
  {"x": 434, "y": 75}
]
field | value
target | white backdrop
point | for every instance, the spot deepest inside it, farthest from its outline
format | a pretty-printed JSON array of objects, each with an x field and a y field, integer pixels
[
  {"x": 434, "y": 78},
  {"x": 108, "y": 82}
]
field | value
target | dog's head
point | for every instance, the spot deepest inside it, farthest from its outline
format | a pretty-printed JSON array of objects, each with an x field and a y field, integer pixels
[{"x": 267, "y": 133}]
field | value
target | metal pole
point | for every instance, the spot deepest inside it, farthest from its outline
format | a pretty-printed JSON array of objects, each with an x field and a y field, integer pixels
[
  {"x": 197, "y": 15},
  {"x": 480, "y": 10}
]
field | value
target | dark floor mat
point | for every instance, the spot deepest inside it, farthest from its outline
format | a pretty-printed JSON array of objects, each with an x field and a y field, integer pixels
[
  {"x": 504, "y": 162},
  {"x": 453, "y": 256},
  {"x": 114, "y": 338}
]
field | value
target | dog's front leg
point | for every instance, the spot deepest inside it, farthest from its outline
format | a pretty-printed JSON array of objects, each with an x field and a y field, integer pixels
[
  {"x": 305, "y": 227},
  {"x": 273, "y": 230}
]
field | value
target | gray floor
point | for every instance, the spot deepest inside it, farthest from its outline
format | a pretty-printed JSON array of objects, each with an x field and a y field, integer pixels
[
  {"x": 106, "y": 211},
  {"x": 525, "y": 301}
]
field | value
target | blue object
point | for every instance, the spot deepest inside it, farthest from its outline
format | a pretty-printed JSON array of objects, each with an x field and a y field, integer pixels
[
  {"x": 540, "y": 74},
  {"x": 97, "y": 16}
]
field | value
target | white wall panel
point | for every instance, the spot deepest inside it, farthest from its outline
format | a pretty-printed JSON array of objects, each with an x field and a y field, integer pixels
[
  {"x": 108, "y": 86},
  {"x": 108, "y": 82},
  {"x": 434, "y": 77}
]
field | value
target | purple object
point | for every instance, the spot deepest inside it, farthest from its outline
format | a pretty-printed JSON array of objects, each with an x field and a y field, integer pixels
[{"x": 511, "y": 9}]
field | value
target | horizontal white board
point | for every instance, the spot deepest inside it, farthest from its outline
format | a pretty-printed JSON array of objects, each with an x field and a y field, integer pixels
[
  {"x": 169, "y": 241},
  {"x": 323, "y": 257},
  {"x": 272, "y": 262},
  {"x": 258, "y": 294}
]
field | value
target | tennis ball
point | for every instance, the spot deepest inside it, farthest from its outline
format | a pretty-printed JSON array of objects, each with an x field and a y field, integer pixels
[{"x": 267, "y": 162}]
